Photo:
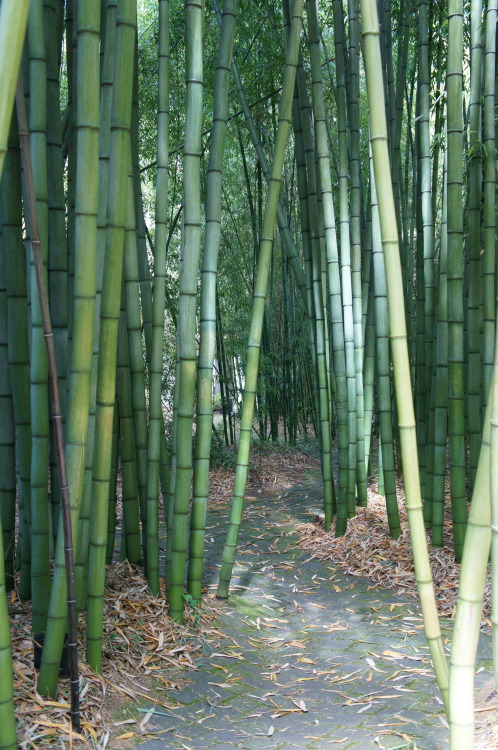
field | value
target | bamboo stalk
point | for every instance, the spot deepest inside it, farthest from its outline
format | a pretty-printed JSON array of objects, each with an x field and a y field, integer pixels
[
  {"x": 56, "y": 410},
  {"x": 397, "y": 332}
]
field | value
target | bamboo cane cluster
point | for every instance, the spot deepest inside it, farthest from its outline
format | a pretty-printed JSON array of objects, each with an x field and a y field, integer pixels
[{"x": 370, "y": 144}]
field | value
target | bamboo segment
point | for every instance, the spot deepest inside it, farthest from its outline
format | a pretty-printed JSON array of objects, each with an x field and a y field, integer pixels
[
  {"x": 207, "y": 344},
  {"x": 260, "y": 288},
  {"x": 397, "y": 331}
]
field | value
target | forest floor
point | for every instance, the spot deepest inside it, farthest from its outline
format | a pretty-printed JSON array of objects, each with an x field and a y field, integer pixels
[{"x": 320, "y": 644}]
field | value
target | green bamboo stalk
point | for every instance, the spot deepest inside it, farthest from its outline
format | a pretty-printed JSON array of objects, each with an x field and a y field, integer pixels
[
  {"x": 324, "y": 214},
  {"x": 383, "y": 367},
  {"x": 456, "y": 426},
  {"x": 18, "y": 345},
  {"x": 113, "y": 481},
  {"x": 473, "y": 244},
  {"x": 441, "y": 384},
  {"x": 397, "y": 326},
  {"x": 489, "y": 209},
  {"x": 207, "y": 344},
  {"x": 314, "y": 269},
  {"x": 85, "y": 238},
  {"x": 355, "y": 229},
  {"x": 191, "y": 245},
  {"x": 7, "y": 437},
  {"x": 427, "y": 235},
  {"x": 40, "y": 570},
  {"x": 129, "y": 471},
  {"x": 109, "y": 317},
  {"x": 57, "y": 239},
  {"x": 13, "y": 21},
  {"x": 8, "y": 739},
  {"x": 158, "y": 297},
  {"x": 137, "y": 365},
  {"x": 304, "y": 213},
  {"x": 369, "y": 374},
  {"x": 65, "y": 515},
  {"x": 260, "y": 289},
  {"x": 106, "y": 84},
  {"x": 471, "y": 593}
]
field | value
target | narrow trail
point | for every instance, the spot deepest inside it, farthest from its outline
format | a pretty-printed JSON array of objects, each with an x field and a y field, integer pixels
[{"x": 314, "y": 658}]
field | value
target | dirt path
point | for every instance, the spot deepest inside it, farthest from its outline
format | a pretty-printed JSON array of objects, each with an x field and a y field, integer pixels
[{"x": 317, "y": 659}]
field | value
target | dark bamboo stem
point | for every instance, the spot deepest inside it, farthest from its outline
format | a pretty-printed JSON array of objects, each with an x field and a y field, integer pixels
[{"x": 56, "y": 407}]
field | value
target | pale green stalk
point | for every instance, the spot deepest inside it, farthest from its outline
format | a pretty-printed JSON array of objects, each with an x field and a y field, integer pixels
[
  {"x": 471, "y": 591},
  {"x": 397, "y": 332}
]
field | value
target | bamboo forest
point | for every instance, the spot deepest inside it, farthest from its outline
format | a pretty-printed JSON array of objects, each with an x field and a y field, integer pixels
[{"x": 248, "y": 325}]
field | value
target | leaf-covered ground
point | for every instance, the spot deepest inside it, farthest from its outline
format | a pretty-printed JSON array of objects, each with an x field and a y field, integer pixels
[{"x": 308, "y": 652}]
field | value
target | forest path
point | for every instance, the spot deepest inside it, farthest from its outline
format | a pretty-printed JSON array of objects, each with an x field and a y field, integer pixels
[{"x": 315, "y": 658}]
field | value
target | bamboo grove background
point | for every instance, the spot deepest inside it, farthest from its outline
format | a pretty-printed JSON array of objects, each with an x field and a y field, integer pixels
[{"x": 320, "y": 175}]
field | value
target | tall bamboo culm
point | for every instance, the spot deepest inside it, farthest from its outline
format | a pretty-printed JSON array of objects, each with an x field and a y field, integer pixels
[{"x": 397, "y": 332}]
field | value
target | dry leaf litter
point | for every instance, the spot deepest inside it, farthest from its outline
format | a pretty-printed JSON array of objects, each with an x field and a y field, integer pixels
[{"x": 141, "y": 645}]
